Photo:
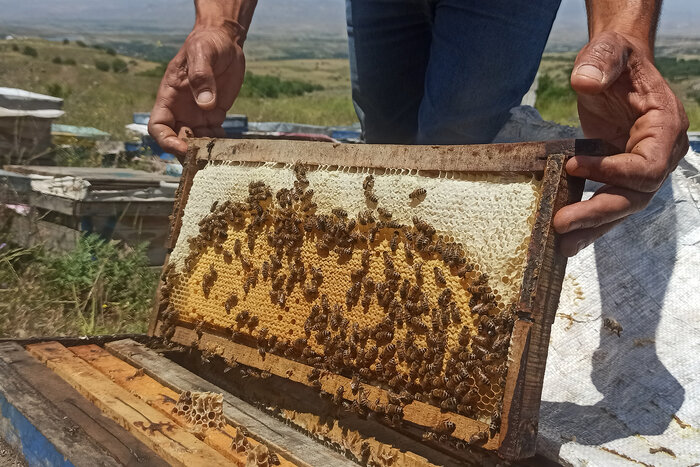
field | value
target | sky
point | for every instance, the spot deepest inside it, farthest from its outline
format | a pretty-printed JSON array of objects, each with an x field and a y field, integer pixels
[{"x": 679, "y": 17}]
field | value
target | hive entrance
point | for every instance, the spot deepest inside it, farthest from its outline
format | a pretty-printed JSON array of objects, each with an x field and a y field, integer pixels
[{"x": 395, "y": 290}]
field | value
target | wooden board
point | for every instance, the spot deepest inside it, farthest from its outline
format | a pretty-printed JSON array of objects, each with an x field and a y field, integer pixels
[
  {"x": 100, "y": 178},
  {"x": 291, "y": 401},
  {"x": 277, "y": 435},
  {"x": 40, "y": 430},
  {"x": 419, "y": 413},
  {"x": 174, "y": 444},
  {"x": 78, "y": 411},
  {"x": 539, "y": 290},
  {"x": 156, "y": 395}
]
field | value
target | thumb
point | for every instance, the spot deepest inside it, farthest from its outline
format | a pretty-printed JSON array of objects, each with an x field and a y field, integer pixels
[
  {"x": 599, "y": 64},
  {"x": 200, "y": 74}
]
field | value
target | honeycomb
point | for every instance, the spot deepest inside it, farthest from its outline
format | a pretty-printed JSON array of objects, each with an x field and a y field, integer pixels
[
  {"x": 400, "y": 279},
  {"x": 201, "y": 410}
]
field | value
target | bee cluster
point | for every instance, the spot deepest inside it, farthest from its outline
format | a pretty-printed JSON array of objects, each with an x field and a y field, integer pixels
[
  {"x": 258, "y": 455},
  {"x": 389, "y": 304}
]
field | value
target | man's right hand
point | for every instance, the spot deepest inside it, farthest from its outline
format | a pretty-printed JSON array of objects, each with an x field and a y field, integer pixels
[{"x": 199, "y": 86}]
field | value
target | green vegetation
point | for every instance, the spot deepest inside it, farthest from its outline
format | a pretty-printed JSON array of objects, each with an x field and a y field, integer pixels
[
  {"x": 556, "y": 100},
  {"x": 108, "y": 100},
  {"x": 119, "y": 66},
  {"x": 677, "y": 69},
  {"x": 57, "y": 60},
  {"x": 30, "y": 51},
  {"x": 80, "y": 44},
  {"x": 100, "y": 287},
  {"x": 156, "y": 72},
  {"x": 101, "y": 65},
  {"x": 274, "y": 87},
  {"x": 57, "y": 90}
]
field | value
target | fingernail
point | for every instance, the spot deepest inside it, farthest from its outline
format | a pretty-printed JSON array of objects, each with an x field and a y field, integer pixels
[
  {"x": 205, "y": 97},
  {"x": 591, "y": 72}
]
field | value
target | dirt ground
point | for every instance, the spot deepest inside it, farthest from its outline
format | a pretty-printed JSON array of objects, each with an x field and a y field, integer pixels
[{"x": 9, "y": 457}]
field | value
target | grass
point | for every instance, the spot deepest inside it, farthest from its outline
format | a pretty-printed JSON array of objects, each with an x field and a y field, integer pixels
[
  {"x": 107, "y": 100},
  {"x": 556, "y": 101},
  {"x": 100, "y": 287}
]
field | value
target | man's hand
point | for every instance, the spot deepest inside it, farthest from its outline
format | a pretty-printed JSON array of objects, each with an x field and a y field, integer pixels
[
  {"x": 199, "y": 86},
  {"x": 622, "y": 99}
]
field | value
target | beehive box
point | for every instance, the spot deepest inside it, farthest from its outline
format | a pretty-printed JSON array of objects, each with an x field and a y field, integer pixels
[{"x": 413, "y": 284}]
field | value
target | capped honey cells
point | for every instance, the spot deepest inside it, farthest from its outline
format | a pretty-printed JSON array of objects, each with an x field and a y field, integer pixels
[{"x": 394, "y": 279}]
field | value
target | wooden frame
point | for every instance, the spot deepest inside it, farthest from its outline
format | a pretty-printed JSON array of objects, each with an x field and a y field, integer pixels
[{"x": 539, "y": 291}]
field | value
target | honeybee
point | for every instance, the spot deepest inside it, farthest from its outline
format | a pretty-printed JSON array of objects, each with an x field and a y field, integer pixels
[
  {"x": 243, "y": 316},
  {"x": 440, "y": 394},
  {"x": 439, "y": 277},
  {"x": 339, "y": 213},
  {"x": 422, "y": 242},
  {"x": 338, "y": 397},
  {"x": 344, "y": 251},
  {"x": 371, "y": 197},
  {"x": 237, "y": 247},
  {"x": 368, "y": 182},
  {"x": 418, "y": 269},
  {"x": 394, "y": 409},
  {"x": 213, "y": 206},
  {"x": 455, "y": 313},
  {"x": 462, "y": 271},
  {"x": 500, "y": 343},
  {"x": 228, "y": 257},
  {"x": 445, "y": 297},
  {"x": 231, "y": 302},
  {"x": 478, "y": 438},
  {"x": 313, "y": 375},
  {"x": 612, "y": 325},
  {"x": 430, "y": 436},
  {"x": 481, "y": 376},
  {"x": 449, "y": 404},
  {"x": 394, "y": 242},
  {"x": 417, "y": 193},
  {"x": 482, "y": 341}
]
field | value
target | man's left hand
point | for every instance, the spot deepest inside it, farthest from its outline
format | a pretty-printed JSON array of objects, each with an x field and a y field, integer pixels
[{"x": 624, "y": 100}]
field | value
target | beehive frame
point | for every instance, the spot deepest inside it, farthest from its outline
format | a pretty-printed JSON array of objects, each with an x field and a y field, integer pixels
[{"x": 539, "y": 289}]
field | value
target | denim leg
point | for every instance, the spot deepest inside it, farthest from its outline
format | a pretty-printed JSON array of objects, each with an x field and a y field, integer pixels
[
  {"x": 389, "y": 44},
  {"x": 483, "y": 58}
]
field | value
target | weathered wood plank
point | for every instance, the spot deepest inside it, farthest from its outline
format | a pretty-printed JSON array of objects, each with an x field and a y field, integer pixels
[
  {"x": 280, "y": 437},
  {"x": 43, "y": 433},
  {"x": 513, "y": 157},
  {"x": 120, "y": 444},
  {"x": 159, "y": 432},
  {"x": 538, "y": 303},
  {"x": 420, "y": 413},
  {"x": 160, "y": 397}
]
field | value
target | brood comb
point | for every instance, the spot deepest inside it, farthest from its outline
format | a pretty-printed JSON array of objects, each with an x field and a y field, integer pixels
[{"x": 415, "y": 283}]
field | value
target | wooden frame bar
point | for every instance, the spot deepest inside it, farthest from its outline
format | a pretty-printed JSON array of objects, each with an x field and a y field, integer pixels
[
  {"x": 265, "y": 429},
  {"x": 539, "y": 291}
]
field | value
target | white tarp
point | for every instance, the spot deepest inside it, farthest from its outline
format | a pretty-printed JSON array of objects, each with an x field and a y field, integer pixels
[{"x": 632, "y": 399}]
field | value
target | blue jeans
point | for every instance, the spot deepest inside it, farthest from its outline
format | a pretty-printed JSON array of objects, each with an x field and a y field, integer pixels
[{"x": 443, "y": 71}]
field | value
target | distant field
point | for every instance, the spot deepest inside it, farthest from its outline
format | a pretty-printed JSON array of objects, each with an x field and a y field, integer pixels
[
  {"x": 106, "y": 100},
  {"x": 558, "y": 101}
]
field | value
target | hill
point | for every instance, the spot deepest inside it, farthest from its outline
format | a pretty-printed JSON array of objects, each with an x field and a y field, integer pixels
[{"x": 106, "y": 99}]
